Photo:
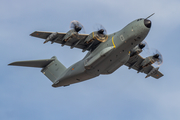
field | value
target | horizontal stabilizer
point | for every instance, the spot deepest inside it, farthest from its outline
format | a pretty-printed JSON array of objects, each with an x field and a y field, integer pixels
[
  {"x": 51, "y": 68},
  {"x": 34, "y": 63}
]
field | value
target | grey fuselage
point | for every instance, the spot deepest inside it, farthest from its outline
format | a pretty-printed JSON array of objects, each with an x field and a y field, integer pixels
[{"x": 108, "y": 56}]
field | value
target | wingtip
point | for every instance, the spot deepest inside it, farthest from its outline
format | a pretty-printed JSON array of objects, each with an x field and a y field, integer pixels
[
  {"x": 13, "y": 63},
  {"x": 10, "y": 64},
  {"x": 32, "y": 33}
]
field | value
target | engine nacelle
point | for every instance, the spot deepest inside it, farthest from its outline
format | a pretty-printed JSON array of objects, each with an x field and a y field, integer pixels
[
  {"x": 51, "y": 37},
  {"x": 95, "y": 36},
  {"x": 148, "y": 61},
  {"x": 90, "y": 38},
  {"x": 70, "y": 34},
  {"x": 135, "y": 51}
]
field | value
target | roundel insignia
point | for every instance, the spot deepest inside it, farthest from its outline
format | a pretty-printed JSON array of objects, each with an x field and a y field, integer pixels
[{"x": 122, "y": 37}]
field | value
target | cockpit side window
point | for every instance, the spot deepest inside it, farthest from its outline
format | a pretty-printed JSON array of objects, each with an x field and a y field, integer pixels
[{"x": 139, "y": 19}]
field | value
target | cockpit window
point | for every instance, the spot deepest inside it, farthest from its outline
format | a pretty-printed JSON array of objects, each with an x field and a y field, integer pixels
[{"x": 139, "y": 19}]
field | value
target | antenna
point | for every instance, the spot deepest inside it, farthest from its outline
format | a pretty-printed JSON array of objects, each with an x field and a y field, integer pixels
[{"x": 149, "y": 16}]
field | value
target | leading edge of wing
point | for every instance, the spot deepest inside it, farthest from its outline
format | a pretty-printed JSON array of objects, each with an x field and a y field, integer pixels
[
  {"x": 44, "y": 34},
  {"x": 77, "y": 41}
]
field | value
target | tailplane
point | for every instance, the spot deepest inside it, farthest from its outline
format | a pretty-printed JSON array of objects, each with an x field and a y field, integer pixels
[{"x": 51, "y": 68}]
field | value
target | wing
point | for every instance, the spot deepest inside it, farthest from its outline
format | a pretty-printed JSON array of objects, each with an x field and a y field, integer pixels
[
  {"x": 77, "y": 42},
  {"x": 135, "y": 61}
]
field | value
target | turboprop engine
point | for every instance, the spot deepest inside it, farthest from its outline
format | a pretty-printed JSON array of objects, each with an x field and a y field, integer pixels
[
  {"x": 75, "y": 27},
  {"x": 100, "y": 34},
  {"x": 156, "y": 59},
  {"x": 139, "y": 48},
  {"x": 52, "y": 37}
]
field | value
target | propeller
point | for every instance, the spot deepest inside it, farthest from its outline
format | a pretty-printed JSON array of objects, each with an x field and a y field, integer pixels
[
  {"x": 158, "y": 57},
  {"x": 101, "y": 33},
  {"x": 145, "y": 48},
  {"x": 77, "y": 26},
  {"x": 141, "y": 45}
]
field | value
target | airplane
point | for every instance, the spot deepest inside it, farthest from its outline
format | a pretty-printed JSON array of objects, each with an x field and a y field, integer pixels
[{"x": 106, "y": 53}]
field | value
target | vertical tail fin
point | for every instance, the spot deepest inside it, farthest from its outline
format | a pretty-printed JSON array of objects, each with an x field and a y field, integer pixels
[{"x": 53, "y": 70}]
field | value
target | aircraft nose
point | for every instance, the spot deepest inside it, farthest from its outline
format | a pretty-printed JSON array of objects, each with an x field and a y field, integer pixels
[{"x": 147, "y": 23}]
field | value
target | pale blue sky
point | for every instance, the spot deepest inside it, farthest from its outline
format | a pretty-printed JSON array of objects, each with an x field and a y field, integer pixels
[{"x": 25, "y": 93}]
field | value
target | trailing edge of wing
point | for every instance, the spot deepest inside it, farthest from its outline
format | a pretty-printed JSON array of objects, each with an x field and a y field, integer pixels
[{"x": 44, "y": 35}]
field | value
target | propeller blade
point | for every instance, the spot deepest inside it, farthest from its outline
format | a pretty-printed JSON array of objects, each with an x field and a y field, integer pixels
[
  {"x": 145, "y": 49},
  {"x": 77, "y": 26},
  {"x": 158, "y": 57},
  {"x": 101, "y": 32}
]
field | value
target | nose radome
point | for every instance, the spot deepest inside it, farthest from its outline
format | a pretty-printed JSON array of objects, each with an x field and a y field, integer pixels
[{"x": 147, "y": 23}]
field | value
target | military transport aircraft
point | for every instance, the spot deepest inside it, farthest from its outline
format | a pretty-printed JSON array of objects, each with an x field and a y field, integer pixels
[{"x": 106, "y": 53}]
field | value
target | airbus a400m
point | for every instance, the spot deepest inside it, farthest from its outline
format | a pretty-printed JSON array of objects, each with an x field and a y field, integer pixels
[{"x": 106, "y": 53}]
